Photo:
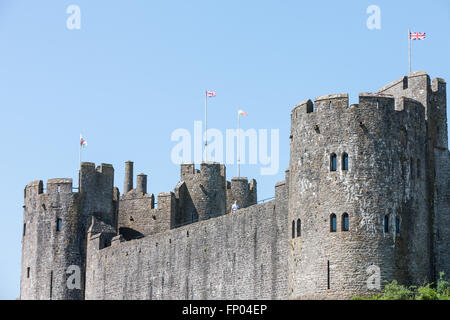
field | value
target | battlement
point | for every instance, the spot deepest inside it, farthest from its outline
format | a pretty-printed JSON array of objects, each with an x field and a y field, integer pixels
[
  {"x": 366, "y": 185},
  {"x": 54, "y": 186},
  {"x": 207, "y": 169},
  {"x": 242, "y": 192},
  {"x": 103, "y": 168},
  {"x": 338, "y": 103}
]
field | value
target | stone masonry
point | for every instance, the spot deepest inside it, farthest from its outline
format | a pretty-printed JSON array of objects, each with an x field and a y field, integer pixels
[{"x": 367, "y": 188}]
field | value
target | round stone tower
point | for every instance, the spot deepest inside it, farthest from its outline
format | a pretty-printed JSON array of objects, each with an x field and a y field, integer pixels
[
  {"x": 206, "y": 190},
  {"x": 241, "y": 191},
  {"x": 56, "y": 221},
  {"x": 357, "y": 200},
  {"x": 50, "y": 241}
]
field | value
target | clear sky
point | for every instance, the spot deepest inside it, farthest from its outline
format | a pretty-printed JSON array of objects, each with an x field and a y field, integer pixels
[{"x": 137, "y": 70}]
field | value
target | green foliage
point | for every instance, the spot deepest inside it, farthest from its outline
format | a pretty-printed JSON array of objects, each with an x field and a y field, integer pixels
[{"x": 394, "y": 291}]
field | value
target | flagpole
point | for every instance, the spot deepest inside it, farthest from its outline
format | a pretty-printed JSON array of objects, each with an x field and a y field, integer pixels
[
  {"x": 239, "y": 146},
  {"x": 206, "y": 126},
  {"x": 409, "y": 37},
  {"x": 79, "y": 154}
]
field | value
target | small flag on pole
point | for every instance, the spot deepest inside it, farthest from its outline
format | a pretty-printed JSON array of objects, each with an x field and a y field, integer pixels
[
  {"x": 242, "y": 113},
  {"x": 83, "y": 143},
  {"x": 210, "y": 94},
  {"x": 417, "y": 35}
]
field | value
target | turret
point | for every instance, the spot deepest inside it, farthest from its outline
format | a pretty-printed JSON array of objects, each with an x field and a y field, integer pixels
[
  {"x": 206, "y": 191},
  {"x": 241, "y": 191},
  {"x": 349, "y": 173},
  {"x": 50, "y": 241},
  {"x": 55, "y": 231}
]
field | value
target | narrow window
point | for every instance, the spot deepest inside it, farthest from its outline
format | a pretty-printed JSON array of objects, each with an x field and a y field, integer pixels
[
  {"x": 411, "y": 169},
  {"x": 397, "y": 225},
  {"x": 345, "y": 161},
  {"x": 299, "y": 228},
  {"x": 28, "y": 272},
  {"x": 345, "y": 222},
  {"x": 24, "y": 229},
  {"x": 418, "y": 168},
  {"x": 333, "y": 162},
  {"x": 58, "y": 224},
  {"x": 333, "y": 223},
  {"x": 328, "y": 274},
  {"x": 330, "y": 106},
  {"x": 51, "y": 285},
  {"x": 58, "y": 188},
  {"x": 293, "y": 229},
  {"x": 386, "y": 223}
]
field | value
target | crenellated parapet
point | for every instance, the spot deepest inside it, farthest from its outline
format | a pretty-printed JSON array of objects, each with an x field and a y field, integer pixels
[
  {"x": 366, "y": 191},
  {"x": 241, "y": 191},
  {"x": 56, "y": 221},
  {"x": 50, "y": 239},
  {"x": 138, "y": 216},
  {"x": 206, "y": 196},
  {"x": 361, "y": 174}
]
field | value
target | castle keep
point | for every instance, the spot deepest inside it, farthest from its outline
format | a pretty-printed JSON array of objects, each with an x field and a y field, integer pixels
[{"x": 367, "y": 190}]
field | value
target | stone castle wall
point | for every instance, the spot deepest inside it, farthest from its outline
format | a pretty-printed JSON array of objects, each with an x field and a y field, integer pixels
[
  {"x": 433, "y": 97},
  {"x": 391, "y": 165},
  {"x": 235, "y": 256},
  {"x": 379, "y": 182},
  {"x": 47, "y": 251}
]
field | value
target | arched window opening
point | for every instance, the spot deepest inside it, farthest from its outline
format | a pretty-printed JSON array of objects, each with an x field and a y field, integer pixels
[
  {"x": 293, "y": 229},
  {"x": 345, "y": 222},
  {"x": 58, "y": 224},
  {"x": 299, "y": 228},
  {"x": 397, "y": 225},
  {"x": 333, "y": 162},
  {"x": 345, "y": 161},
  {"x": 386, "y": 223},
  {"x": 333, "y": 223}
]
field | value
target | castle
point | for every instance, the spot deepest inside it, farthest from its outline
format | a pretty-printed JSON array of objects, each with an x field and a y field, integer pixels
[{"x": 366, "y": 191}]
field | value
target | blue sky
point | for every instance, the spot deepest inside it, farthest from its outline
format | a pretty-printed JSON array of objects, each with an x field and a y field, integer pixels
[{"x": 137, "y": 70}]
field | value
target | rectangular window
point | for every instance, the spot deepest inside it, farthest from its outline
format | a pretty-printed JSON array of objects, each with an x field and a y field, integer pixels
[
  {"x": 58, "y": 224},
  {"x": 51, "y": 285},
  {"x": 28, "y": 272}
]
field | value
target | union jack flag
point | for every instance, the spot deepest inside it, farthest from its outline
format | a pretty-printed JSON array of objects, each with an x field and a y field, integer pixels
[
  {"x": 417, "y": 35},
  {"x": 210, "y": 94}
]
